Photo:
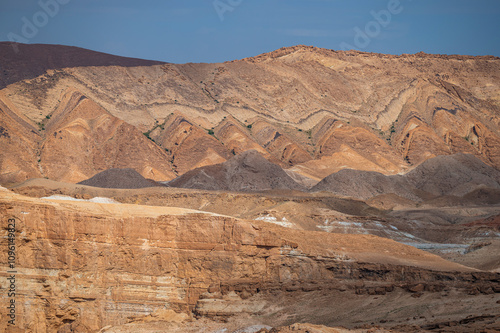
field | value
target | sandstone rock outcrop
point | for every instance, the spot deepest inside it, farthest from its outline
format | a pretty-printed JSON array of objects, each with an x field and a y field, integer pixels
[{"x": 82, "y": 266}]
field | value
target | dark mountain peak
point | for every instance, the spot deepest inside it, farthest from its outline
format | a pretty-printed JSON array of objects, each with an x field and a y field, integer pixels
[
  {"x": 27, "y": 61},
  {"x": 119, "y": 178},
  {"x": 247, "y": 172}
]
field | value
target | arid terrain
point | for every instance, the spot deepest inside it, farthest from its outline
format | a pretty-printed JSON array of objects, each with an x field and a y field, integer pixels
[
  {"x": 302, "y": 190},
  {"x": 312, "y": 111}
]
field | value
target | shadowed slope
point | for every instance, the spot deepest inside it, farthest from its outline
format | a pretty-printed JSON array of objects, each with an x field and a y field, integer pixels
[
  {"x": 457, "y": 175},
  {"x": 119, "y": 178},
  {"x": 27, "y": 61},
  {"x": 454, "y": 175},
  {"x": 246, "y": 172},
  {"x": 365, "y": 184}
]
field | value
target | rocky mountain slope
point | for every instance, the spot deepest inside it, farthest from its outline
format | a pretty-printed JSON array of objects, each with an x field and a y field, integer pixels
[
  {"x": 311, "y": 110},
  {"x": 453, "y": 175},
  {"x": 246, "y": 172},
  {"x": 119, "y": 178},
  {"x": 84, "y": 266},
  {"x": 443, "y": 225},
  {"x": 28, "y": 61},
  {"x": 400, "y": 232}
]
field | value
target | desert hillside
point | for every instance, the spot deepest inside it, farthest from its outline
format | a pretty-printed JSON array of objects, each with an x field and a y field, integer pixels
[
  {"x": 312, "y": 111},
  {"x": 301, "y": 190}
]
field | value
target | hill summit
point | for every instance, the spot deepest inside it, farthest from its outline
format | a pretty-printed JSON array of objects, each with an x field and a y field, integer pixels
[
  {"x": 247, "y": 172},
  {"x": 119, "y": 178}
]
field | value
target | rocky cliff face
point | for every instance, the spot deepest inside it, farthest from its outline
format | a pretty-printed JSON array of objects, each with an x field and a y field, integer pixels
[
  {"x": 313, "y": 110},
  {"x": 82, "y": 266}
]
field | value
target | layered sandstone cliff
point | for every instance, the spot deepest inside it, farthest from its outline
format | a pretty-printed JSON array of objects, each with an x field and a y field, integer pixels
[{"x": 82, "y": 266}]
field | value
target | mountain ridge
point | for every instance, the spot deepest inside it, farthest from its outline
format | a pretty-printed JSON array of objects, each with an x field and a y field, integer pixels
[
  {"x": 311, "y": 110},
  {"x": 53, "y": 56},
  {"x": 283, "y": 51},
  {"x": 248, "y": 171}
]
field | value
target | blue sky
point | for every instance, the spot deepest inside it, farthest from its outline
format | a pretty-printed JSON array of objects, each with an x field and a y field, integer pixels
[{"x": 183, "y": 31}]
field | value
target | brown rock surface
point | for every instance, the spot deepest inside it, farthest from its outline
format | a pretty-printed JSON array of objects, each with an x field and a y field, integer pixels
[
  {"x": 342, "y": 146},
  {"x": 454, "y": 175},
  {"x": 76, "y": 141},
  {"x": 82, "y": 266},
  {"x": 119, "y": 178},
  {"x": 309, "y": 328},
  {"x": 82, "y": 138},
  {"x": 18, "y": 139},
  {"x": 439, "y": 219},
  {"x": 238, "y": 139},
  {"x": 186, "y": 260},
  {"x": 314, "y": 110},
  {"x": 247, "y": 172},
  {"x": 457, "y": 175},
  {"x": 188, "y": 145},
  {"x": 366, "y": 185},
  {"x": 279, "y": 144}
]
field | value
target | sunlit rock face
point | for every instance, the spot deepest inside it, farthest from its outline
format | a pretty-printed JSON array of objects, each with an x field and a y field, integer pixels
[{"x": 312, "y": 110}]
